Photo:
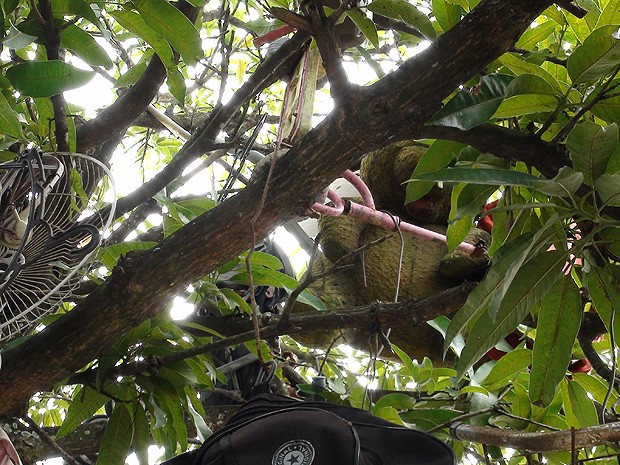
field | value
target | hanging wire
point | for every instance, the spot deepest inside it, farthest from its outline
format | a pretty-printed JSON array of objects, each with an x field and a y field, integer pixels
[{"x": 240, "y": 158}]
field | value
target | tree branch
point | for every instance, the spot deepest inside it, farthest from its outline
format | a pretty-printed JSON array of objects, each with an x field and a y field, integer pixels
[
  {"x": 508, "y": 144},
  {"x": 538, "y": 442}
]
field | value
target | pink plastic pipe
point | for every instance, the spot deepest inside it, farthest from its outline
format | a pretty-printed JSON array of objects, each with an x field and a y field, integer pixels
[
  {"x": 369, "y": 214},
  {"x": 361, "y": 187},
  {"x": 386, "y": 221}
]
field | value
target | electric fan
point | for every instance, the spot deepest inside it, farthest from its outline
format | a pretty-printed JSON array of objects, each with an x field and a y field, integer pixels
[{"x": 45, "y": 242}]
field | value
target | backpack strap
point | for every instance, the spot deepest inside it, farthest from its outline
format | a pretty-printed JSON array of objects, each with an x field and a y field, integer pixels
[{"x": 226, "y": 449}]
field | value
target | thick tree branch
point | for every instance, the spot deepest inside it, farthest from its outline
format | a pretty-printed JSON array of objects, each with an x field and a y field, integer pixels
[
  {"x": 407, "y": 314},
  {"x": 538, "y": 442},
  {"x": 394, "y": 108},
  {"x": 508, "y": 144}
]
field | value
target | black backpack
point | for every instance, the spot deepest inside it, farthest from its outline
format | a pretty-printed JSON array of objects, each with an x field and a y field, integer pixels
[{"x": 278, "y": 430}]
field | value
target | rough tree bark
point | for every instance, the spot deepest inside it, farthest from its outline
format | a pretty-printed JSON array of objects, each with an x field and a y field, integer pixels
[{"x": 394, "y": 108}]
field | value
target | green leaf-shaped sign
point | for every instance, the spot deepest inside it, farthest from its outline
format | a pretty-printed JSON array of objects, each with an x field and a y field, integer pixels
[
  {"x": 469, "y": 108},
  {"x": 46, "y": 78}
]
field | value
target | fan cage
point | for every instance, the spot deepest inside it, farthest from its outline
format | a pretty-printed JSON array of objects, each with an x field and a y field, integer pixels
[{"x": 45, "y": 243}]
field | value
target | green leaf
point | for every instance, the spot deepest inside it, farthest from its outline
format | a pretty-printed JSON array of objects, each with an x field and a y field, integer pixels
[
  {"x": 196, "y": 410},
  {"x": 457, "y": 231},
  {"x": 468, "y": 199},
  {"x": 116, "y": 441},
  {"x": 439, "y": 155},
  {"x": 269, "y": 277},
  {"x": 529, "y": 84},
  {"x": 109, "y": 359},
  {"x": 176, "y": 84},
  {"x": 173, "y": 406},
  {"x": 46, "y": 78},
  {"x": 596, "y": 57},
  {"x": 507, "y": 368},
  {"x": 596, "y": 387},
  {"x": 558, "y": 323},
  {"x": 493, "y": 177},
  {"x": 135, "y": 24},
  {"x": 79, "y": 8},
  {"x": 173, "y": 26},
  {"x": 583, "y": 27},
  {"x": 264, "y": 259},
  {"x": 564, "y": 184},
  {"x": 526, "y": 104},
  {"x": 608, "y": 188},
  {"x": 396, "y": 400},
  {"x": 110, "y": 254},
  {"x": 402, "y": 355},
  {"x": 131, "y": 76},
  {"x": 17, "y": 39},
  {"x": 520, "y": 404},
  {"x": 9, "y": 6},
  {"x": 604, "y": 290},
  {"x": 427, "y": 418},
  {"x": 9, "y": 122},
  {"x": 85, "y": 46},
  {"x": 237, "y": 299},
  {"x": 470, "y": 108},
  {"x": 518, "y": 65},
  {"x": 591, "y": 146},
  {"x": 518, "y": 284},
  {"x": 365, "y": 25},
  {"x": 141, "y": 436},
  {"x": 479, "y": 300},
  {"x": 406, "y": 12},
  {"x": 607, "y": 109},
  {"x": 86, "y": 401},
  {"x": 530, "y": 285},
  {"x": 610, "y": 14},
  {"x": 533, "y": 36},
  {"x": 446, "y": 14},
  {"x": 578, "y": 407}
]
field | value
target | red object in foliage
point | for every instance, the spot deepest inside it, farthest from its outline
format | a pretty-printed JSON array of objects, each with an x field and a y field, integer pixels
[
  {"x": 273, "y": 35},
  {"x": 486, "y": 222},
  {"x": 580, "y": 366}
]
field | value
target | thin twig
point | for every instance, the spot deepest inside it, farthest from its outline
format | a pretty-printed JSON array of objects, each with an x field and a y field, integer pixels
[
  {"x": 48, "y": 439},
  {"x": 560, "y": 136}
]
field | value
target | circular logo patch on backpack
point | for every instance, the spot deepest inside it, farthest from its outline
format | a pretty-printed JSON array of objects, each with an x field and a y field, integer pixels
[{"x": 297, "y": 452}]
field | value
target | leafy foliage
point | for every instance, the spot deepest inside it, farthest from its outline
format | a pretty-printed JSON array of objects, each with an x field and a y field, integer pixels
[{"x": 555, "y": 243}]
